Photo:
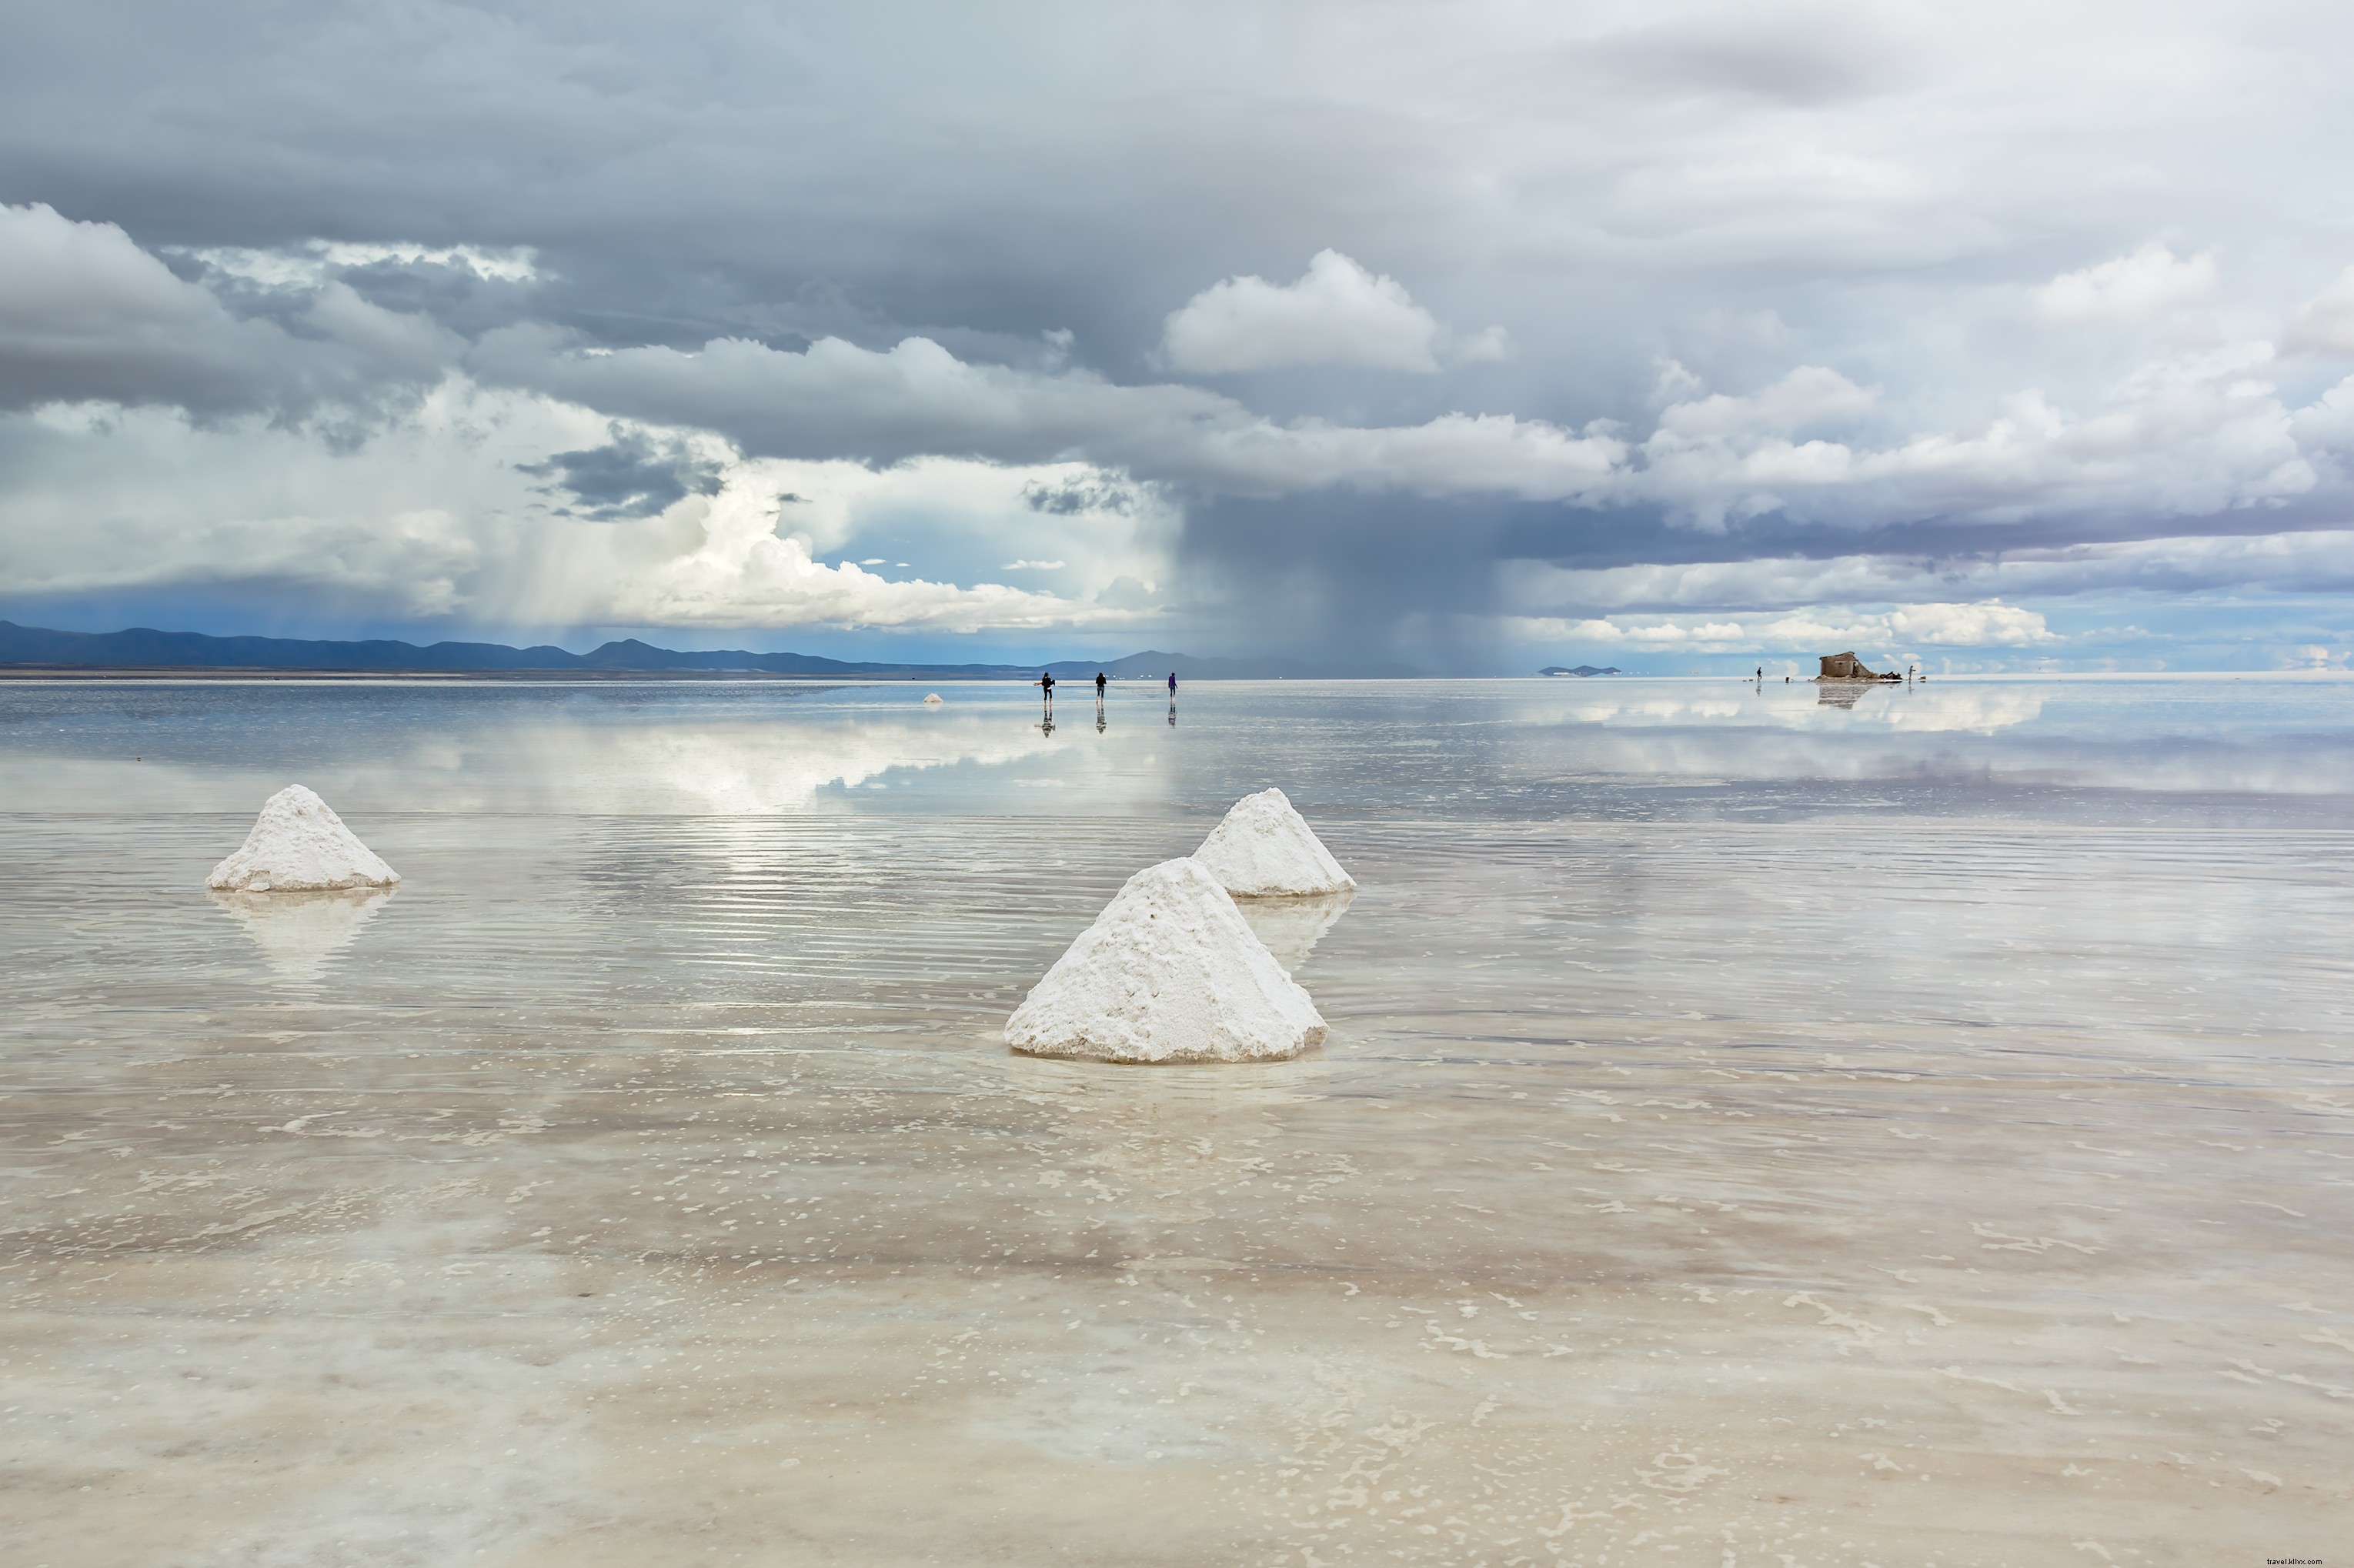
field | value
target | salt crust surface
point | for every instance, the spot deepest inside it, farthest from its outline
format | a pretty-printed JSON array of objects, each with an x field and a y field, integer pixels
[
  {"x": 1264, "y": 849},
  {"x": 1168, "y": 973},
  {"x": 299, "y": 845}
]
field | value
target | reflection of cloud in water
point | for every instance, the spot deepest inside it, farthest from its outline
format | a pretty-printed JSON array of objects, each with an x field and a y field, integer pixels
[
  {"x": 1290, "y": 927},
  {"x": 298, "y": 933},
  {"x": 1979, "y": 710},
  {"x": 1926, "y": 708},
  {"x": 596, "y": 753},
  {"x": 755, "y": 768},
  {"x": 1661, "y": 710}
]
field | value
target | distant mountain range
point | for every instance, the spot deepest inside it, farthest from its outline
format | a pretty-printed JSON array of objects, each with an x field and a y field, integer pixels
[
  {"x": 33, "y": 647},
  {"x": 1548, "y": 670}
]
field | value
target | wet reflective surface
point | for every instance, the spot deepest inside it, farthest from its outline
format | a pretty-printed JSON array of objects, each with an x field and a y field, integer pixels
[{"x": 1752, "y": 1131}]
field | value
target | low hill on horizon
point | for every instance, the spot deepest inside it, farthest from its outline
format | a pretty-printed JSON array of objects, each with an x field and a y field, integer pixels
[{"x": 142, "y": 648}]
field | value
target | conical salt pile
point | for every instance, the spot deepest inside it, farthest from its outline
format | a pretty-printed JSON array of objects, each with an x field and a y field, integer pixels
[
  {"x": 1168, "y": 973},
  {"x": 299, "y": 845},
  {"x": 1264, "y": 850}
]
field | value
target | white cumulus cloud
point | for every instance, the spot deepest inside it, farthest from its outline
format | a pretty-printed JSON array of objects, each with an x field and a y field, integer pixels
[
  {"x": 2151, "y": 283},
  {"x": 2325, "y": 324},
  {"x": 1337, "y": 314},
  {"x": 451, "y": 512},
  {"x": 2188, "y": 434},
  {"x": 916, "y": 397},
  {"x": 313, "y": 264},
  {"x": 1809, "y": 395},
  {"x": 720, "y": 561}
]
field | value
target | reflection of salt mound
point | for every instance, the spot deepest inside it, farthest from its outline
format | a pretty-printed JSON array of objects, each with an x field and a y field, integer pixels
[
  {"x": 299, "y": 845},
  {"x": 1168, "y": 973},
  {"x": 1264, "y": 850},
  {"x": 1290, "y": 927},
  {"x": 931, "y": 699},
  {"x": 298, "y": 932},
  {"x": 1166, "y": 1143}
]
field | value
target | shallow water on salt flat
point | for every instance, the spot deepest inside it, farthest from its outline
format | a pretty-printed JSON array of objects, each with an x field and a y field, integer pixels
[{"x": 1752, "y": 1131}]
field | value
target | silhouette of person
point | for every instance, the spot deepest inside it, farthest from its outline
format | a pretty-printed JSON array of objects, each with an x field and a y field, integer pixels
[
  {"x": 1173, "y": 686},
  {"x": 1099, "y": 683}
]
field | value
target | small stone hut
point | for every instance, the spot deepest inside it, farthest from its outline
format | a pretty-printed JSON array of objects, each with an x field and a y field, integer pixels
[{"x": 1847, "y": 667}]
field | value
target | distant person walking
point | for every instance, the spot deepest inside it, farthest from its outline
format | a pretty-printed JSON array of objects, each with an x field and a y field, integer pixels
[
  {"x": 1173, "y": 685},
  {"x": 1099, "y": 684}
]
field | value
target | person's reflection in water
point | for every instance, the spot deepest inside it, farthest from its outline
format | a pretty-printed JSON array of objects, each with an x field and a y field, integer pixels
[{"x": 1099, "y": 713}]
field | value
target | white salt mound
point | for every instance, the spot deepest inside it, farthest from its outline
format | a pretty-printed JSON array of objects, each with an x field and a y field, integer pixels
[
  {"x": 299, "y": 845},
  {"x": 931, "y": 699},
  {"x": 1265, "y": 849},
  {"x": 1168, "y": 973}
]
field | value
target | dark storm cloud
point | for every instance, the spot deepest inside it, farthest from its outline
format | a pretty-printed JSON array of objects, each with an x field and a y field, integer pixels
[
  {"x": 86, "y": 314},
  {"x": 632, "y": 476},
  {"x": 1342, "y": 578},
  {"x": 874, "y": 171},
  {"x": 1799, "y": 57},
  {"x": 1077, "y": 496}
]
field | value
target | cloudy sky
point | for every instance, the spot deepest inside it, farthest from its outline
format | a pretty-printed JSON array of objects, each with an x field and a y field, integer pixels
[{"x": 1473, "y": 336}]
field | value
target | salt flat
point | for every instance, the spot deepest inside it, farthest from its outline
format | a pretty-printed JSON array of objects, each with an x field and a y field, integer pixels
[{"x": 1752, "y": 1131}]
